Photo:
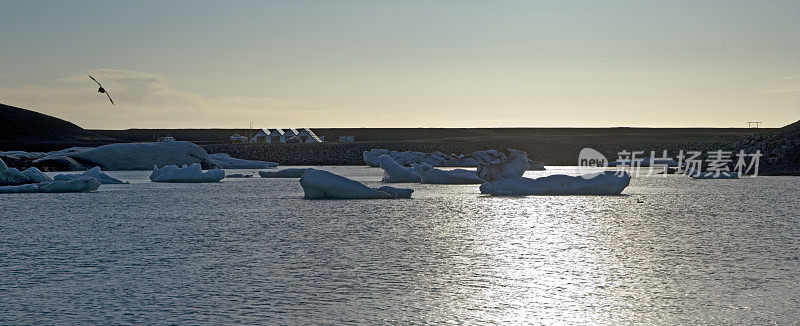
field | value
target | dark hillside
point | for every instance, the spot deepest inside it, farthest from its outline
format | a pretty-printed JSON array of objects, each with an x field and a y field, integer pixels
[{"x": 22, "y": 129}]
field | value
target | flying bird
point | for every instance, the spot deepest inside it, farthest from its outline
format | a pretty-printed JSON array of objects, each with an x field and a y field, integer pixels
[{"x": 102, "y": 90}]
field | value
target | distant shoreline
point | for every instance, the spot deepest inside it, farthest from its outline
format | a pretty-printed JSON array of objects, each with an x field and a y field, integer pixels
[{"x": 554, "y": 146}]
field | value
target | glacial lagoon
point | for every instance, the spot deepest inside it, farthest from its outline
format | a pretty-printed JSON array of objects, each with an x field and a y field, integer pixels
[{"x": 253, "y": 251}]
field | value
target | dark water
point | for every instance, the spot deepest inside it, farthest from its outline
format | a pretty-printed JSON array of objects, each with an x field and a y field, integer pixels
[{"x": 252, "y": 251}]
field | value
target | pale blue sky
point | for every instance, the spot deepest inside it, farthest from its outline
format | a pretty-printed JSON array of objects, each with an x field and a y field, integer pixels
[{"x": 404, "y": 63}]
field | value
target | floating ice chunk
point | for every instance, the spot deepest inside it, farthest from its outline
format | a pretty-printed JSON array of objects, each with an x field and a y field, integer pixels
[
  {"x": 94, "y": 173},
  {"x": 285, "y": 173},
  {"x": 126, "y": 156},
  {"x": 77, "y": 185},
  {"x": 12, "y": 176},
  {"x": 187, "y": 174},
  {"x": 505, "y": 179},
  {"x": 36, "y": 176},
  {"x": 712, "y": 175},
  {"x": 429, "y": 174},
  {"x": 371, "y": 158},
  {"x": 601, "y": 183},
  {"x": 225, "y": 161},
  {"x": 394, "y": 172},
  {"x": 511, "y": 168},
  {"x": 318, "y": 184}
]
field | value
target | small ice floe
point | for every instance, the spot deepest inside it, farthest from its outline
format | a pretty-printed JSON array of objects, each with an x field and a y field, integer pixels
[
  {"x": 12, "y": 176},
  {"x": 505, "y": 179},
  {"x": 285, "y": 173},
  {"x": 238, "y": 175},
  {"x": 429, "y": 174},
  {"x": 36, "y": 176},
  {"x": 319, "y": 184},
  {"x": 94, "y": 173},
  {"x": 77, "y": 185},
  {"x": 225, "y": 161},
  {"x": 393, "y": 172},
  {"x": 186, "y": 174},
  {"x": 438, "y": 159},
  {"x": 695, "y": 174}
]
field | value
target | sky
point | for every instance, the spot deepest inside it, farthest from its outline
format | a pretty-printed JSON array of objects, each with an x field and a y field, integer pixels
[{"x": 281, "y": 64}]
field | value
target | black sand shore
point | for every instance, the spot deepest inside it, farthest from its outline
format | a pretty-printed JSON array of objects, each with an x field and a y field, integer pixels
[{"x": 554, "y": 146}]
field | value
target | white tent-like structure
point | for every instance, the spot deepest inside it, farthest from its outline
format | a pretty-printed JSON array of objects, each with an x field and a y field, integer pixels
[
  {"x": 276, "y": 136},
  {"x": 302, "y": 135},
  {"x": 262, "y": 136},
  {"x": 308, "y": 136}
]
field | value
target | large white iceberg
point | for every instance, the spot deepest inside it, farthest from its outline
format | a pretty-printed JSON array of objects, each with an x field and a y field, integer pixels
[
  {"x": 601, "y": 183},
  {"x": 319, "y": 184},
  {"x": 225, "y": 161},
  {"x": 12, "y": 176},
  {"x": 284, "y": 173},
  {"x": 77, "y": 185},
  {"x": 122, "y": 156},
  {"x": 187, "y": 174},
  {"x": 505, "y": 179},
  {"x": 394, "y": 172},
  {"x": 94, "y": 173},
  {"x": 429, "y": 174}
]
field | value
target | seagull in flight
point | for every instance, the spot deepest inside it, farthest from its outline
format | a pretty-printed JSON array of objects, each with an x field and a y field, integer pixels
[{"x": 102, "y": 90}]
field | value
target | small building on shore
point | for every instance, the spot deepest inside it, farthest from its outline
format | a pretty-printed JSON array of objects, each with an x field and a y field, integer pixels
[
  {"x": 308, "y": 136},
  {"x": 347, "y": 139},
  {"x": 262, "y": 136},
  {"x": 303, "y": 135},
  {"x": 276, "y": 136},
  {"x": 290, "y": 135}
]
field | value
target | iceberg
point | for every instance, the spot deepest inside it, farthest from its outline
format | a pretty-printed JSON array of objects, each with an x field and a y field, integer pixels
[
  {"x": 512, "y": 167},
  {"x": 601, "y": 183},
  {"x": 12, "y": 176},
  {"x": 94, "y": 173},
  {"x": 711, "y": 175},
  {"x": 35, "y": 176},
  {"x": 439, "y": 159},
  {"x": 394, "y": 172},
  {"x": 186, "y": 174},
  {"x": 505, "y": 179},
  {"x": 285, "y": 173},
  {"x": 225, "y": 161},
  {"x": 121, "y": 156},
  {"x": 429, "y": 174},
  {"x": 319, "y": 184},
  {"x": 372, "y": 158},
  {"x": 77, "y": 185}
]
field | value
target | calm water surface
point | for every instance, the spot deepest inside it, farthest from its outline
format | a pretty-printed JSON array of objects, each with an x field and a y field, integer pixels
[{"x": 253, "y": 251}]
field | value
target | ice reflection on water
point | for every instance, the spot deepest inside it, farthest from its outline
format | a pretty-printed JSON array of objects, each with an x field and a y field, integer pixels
[{"x": 252, "y": 251}]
